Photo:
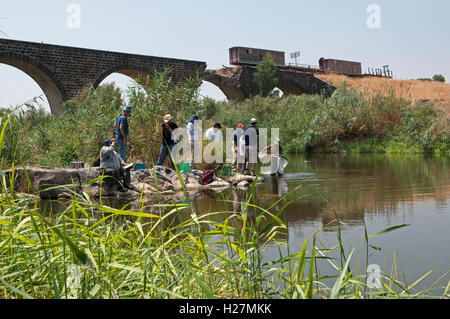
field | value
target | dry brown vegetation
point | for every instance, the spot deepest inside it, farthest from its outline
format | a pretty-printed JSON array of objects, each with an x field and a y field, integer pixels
[{"x": 414, "y": 90}]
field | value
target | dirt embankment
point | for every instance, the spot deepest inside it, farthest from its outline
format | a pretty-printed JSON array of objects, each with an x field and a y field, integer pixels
[{"x": 414, "y": 90}]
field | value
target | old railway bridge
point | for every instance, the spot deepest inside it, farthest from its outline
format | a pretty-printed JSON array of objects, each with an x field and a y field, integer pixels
[{"x": 62, "y": 72}]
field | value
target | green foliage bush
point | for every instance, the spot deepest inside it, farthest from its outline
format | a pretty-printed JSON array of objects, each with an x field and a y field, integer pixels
[
  {"x": 438, "y": 78},
  {"x": 151, "y": 99},
  {"x": 346, "y": 121},
  {"x": 425, "y": 79},
  {"x": 36, "y": 138},
  {"x": 317, "y": 123},
  {"x": 265, "y": 76}
]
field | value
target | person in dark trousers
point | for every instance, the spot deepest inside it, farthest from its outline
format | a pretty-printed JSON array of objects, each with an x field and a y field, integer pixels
[
  {"x": 169, "y": 140},
  {"x": 251, "y": 134},
  {"x": 237, "y": 158},
  {"x": 121, "y": 132}
]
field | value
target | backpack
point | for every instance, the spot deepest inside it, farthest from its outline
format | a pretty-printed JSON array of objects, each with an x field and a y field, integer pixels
[{"x": 207, "y": 177}]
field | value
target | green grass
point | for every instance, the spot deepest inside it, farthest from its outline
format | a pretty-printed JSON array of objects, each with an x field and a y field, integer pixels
[{"x": 91, "y": 250}]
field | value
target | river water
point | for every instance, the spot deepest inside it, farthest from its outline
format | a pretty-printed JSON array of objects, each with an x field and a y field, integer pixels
[{"x": 384, "y": 190}]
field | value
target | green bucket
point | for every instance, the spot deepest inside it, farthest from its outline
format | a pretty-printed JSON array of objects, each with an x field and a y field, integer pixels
[
  {"x": 184, "y": 167},
  {"x": 227, "y": 170}
]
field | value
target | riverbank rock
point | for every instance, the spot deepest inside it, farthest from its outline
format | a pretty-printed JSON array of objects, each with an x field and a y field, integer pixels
[
  {"x": 243, "y": 184},
  {"x": 49, "y": 184},
  {"x": 237, "y": 178},
  {"x": 63, "y": 183}
]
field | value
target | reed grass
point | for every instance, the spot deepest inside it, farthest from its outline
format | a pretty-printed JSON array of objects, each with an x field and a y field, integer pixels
[{"x": 91, "y": 250}]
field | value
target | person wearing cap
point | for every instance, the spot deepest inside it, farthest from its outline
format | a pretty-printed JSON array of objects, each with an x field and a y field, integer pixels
[
  {"x": 237, "y": 159},
  {"x": 193, "y": 138},
  {"x": 109, "y": 159},
  {"x": 169, "y": 140},
  {"x": 121, "y": 131},
  {"x": 213, "y": 134},
  {"x": 251, "y": 135}
]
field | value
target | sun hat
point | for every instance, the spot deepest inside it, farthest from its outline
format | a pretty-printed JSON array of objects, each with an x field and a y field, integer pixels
[
  {"x": 253, "y": 121},
  {"x": 218, "y": 125},
  {"x": 167, "y": 118},
  {"x": 127, "y": 109}
]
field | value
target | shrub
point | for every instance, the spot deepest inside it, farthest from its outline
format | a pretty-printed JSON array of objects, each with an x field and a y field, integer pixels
[
  {"x": 265, "y": 76},
  {"x": 438, "y": 78},
  {"x": 425, "y": 79}
]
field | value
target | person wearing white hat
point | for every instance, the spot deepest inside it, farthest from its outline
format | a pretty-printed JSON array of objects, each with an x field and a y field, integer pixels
[{"x": 169, "y": 140}]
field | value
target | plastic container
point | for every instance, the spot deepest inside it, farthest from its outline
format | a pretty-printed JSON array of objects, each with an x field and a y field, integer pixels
[
  {"x": 139, "y": 166},
  {"x": 282, "y": 163},
  {"x": 227, "y": 170},
  {"x": 184, "y": 167}
]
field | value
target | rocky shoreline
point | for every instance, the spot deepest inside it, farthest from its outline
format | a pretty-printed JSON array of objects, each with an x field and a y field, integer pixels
[{"x": 161, "y": 181}]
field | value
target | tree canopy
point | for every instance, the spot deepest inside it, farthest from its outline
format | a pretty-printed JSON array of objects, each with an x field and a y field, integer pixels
[{"x": 265, "y": 76}]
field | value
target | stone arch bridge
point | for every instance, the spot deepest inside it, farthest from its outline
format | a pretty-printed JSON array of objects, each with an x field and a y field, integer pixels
[{"x": 62, "y": 72}]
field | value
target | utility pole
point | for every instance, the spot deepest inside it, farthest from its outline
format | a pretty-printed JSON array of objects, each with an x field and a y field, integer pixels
[{"x": 295, "y": 55}]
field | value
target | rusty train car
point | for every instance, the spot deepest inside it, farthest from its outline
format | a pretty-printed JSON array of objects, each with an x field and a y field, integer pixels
[
  {"x": 340, "y": 66},
  {"x": 254, "y": 56}
]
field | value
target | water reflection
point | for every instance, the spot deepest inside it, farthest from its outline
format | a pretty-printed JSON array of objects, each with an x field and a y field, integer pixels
[{"x": 351, "y": 186}]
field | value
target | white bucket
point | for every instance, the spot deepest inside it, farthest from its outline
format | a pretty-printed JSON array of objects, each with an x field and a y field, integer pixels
[{"x": 282, "y": 163}]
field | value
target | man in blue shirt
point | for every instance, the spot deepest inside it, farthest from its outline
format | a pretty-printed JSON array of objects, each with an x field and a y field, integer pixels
[{"x": 121, "y": 132}]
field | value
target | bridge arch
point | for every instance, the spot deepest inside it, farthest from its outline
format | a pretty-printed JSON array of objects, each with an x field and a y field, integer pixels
[
  {"x": 230, "y": 90},
  {"x": 289, "y": 88},
  {"x": 208, "y": 89},
  {"x": 130, "y": 71},
  {"x": 42, "y": 75}
]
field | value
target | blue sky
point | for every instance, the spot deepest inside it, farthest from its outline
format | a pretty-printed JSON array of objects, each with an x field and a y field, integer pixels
[{"x": 414, "y": 38}]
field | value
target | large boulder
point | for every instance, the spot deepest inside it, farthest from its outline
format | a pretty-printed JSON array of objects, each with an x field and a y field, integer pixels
[{"x": 50, "y": 184}]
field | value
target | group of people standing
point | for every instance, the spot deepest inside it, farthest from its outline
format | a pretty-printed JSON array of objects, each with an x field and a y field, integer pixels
[{"x": 244, "y": 143}]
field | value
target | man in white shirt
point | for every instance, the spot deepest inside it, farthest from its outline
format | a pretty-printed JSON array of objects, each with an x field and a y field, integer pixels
[{"x": 214, "y": 134}]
